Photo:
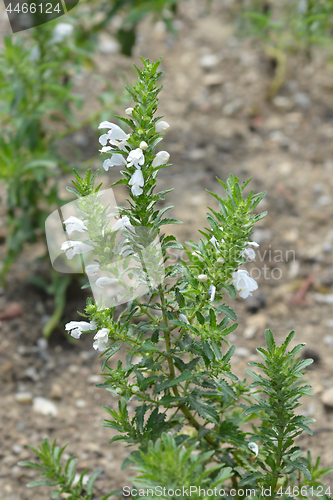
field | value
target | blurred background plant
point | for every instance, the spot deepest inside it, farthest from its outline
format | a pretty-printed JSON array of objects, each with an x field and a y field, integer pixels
[
  {"x": 284, "y": 27},
  {"x": 126, "y": 15},
  {"x": 37, "y": 109}
]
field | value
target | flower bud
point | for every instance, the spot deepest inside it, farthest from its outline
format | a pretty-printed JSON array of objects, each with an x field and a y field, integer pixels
[
  {"x": 106, "y": 249},
  {"x": 183, "y": 317},
  {"x": 161, "y": 127},
  {"x": 161, "y": 158},
  {"x": 118, "y": 390},
  {"x": 220, "y": 261},
  {"x": 254, "y": 448},
  {"x": 143, "y": 145},
  {"x": 129, "y": 111},
  {"x": 135, "y": 388},
  {"x": 203, "y": 278}
]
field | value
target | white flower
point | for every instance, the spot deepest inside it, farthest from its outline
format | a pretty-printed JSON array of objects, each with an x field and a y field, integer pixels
[
  {"x": 203, "y": 278},
  {"x": 254, "y": 448},
  {"x": 129, "y": 111},
  {"x": 220, "y": 261},
  {"x": 74, "y": 224},
  {"x": 61, "y": 31},
  {"x": 105, "y": 280},
  {"x": 93, "y": 325},
  {"x": 76, "y": 328},
  {"x": 161, "y": 127},
  {"x": 137, "y": 182},
  {"x": 101, "y": 339},
  {"x": 116, "y": 136},
  {"x": 126, "y": 249},
  {"x": 183, "y": 317},
  {"x": 143, "y": 145},
  {"x": 136, "y": 158},
  {"x": 214, "y": 242},
  {"x": 243, "y": 282},
  {"x": 249, "y": 253},
  {"x": 211, "y": 291},
  {"x": 72, "y": 248},
  {"x": 92, "y": 269},
  {"x": 116, "y": 160},
  {"x": 161, "y": 158},
  {"x": 122, "y": 223},
  {"x": 135, "y": 388}
]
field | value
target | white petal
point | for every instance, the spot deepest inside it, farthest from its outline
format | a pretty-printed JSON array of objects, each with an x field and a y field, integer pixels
[
  {"x": 161, "y": 127},
  {"x": 107, "y": 163},
  {"x": 103, "y": 139},
  {"x": 161, "y": 158},
  {"x": 253, "y": 243},
  {"x": 118, "y": 159},
  {"x": 136, "y": 190},
  {"x": 212, "y": 291},
  {"x": 105, "y": 149},
  {"x": 137, "y": 178},
  {"x": 106, "y": 124}
]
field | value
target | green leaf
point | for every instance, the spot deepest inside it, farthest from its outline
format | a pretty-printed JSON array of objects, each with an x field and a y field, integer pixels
[
  {"x": 205, "y": 410},
  {"x": 187, "y": 375},
  {"x": 90, "y": 484},
  {"x": 42, "y": 482}
]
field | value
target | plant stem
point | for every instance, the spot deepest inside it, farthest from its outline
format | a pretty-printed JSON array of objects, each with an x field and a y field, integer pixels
[{"x": 183, "y": 408}]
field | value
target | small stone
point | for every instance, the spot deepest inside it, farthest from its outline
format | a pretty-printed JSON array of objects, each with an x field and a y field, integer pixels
[
  {"x": 24, "y": 397},
  {"x": 42, "y": 343},
  {"x": 242, "y": 352},
  {"x": 56, "y": 391},
  {"x": 80, "y": 403},
  {"x": 17, "y": 449},
  {"x": 322, "y": 298},
  {"x": 209, "y": 61},
  {"x": 196, "y": 154},
  {"x": 213, "y": 79},
  {"x": 108, "y": 46},
  {"x": 94, "y": 379},
  {"x": 44, "y": 407},
  {"x": 317, "y": 189},
  {"x": 328, "y": 340},
  {"x": 310, "y": 410},
  {"x": 261, "y": 235},
  {"x": 256, "y": 302},
  {"x": 327, "y": 246},
  {"x": 232, "y": 107},
  {"x": 282, "y": 102},
  {"x": 303, "y": 100},
  {"x": 31, "y": 373},
  {"x": 327, "y": 398},
  {"x": 324, "y": 200},
  {"x": 329, "y": 323},
  {"x": 294, "y": 268},
  {"x": 253, "y": 324},
  {"x": 279, "y": 137}
]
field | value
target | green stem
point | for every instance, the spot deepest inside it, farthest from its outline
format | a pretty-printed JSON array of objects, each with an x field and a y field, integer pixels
[{"x": 183, "y": 408}]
